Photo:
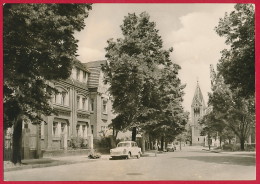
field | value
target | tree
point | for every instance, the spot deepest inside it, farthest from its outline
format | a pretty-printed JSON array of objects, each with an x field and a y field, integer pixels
[
  {"x": 168, "y": 118},
  {"x": 38, "y": 46},
  {"x": 134, "y": 62},
  {"x": 210, "y": 126},
  {"x": 237, "y": 64},
  {"x": 230, "y": 111}
]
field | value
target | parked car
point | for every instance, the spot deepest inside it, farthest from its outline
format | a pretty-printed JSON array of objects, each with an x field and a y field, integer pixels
[
  {"x": 126, "y": 149},
  {"x": 171, "y": 147}
]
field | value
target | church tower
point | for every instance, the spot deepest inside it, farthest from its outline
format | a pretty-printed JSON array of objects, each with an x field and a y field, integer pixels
[{"x": 197, "y": 111}]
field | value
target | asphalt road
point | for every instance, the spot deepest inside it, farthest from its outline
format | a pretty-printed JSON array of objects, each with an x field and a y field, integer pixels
[{"x": 188, "y": 164}]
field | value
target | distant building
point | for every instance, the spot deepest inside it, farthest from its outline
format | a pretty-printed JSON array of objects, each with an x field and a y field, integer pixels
[{"x": 197, "y": 111}]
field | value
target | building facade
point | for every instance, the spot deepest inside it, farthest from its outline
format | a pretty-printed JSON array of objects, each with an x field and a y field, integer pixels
[
  {"x": 72, "y": 104},
  {"x": 197, "y": 111},
  {"x": 84, "y": 111},
  {"x": 101, "y": 105}
]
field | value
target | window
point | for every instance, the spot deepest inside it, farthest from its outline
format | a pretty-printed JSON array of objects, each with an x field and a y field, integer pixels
[
  {"x": 78, "y": 105},
  {"x": 92, "y": 129},
  {"x": 104, "y": 108},
  {"x": 63, "y": 127},
  {"x": 83, "y": 103},
  {"x": 77, "y": 74},
  {"x": 63, "y": 97},
  {"x": 57, "y": 98},
  {"x": 54, "y": 128},
  {"x": 91, "y": 104},
  {"x": 84, "y": 76},
  {"x": 83, "y": 129}
]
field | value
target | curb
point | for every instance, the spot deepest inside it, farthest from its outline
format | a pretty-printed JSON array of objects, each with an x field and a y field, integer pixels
[
  {"x": 55, "y": 163},
  {"x": 212, "y": 151}
]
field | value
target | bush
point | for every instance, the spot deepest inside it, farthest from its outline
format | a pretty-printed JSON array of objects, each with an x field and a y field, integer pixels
[
  {"x": 78, "y": 142},
  {"x": 106, "y": 142},
  {"x": 231, "y": 147},
  {"x": 250, "y": 147}
]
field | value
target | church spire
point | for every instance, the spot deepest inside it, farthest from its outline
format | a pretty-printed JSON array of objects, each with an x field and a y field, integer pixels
[{"x": 198, "y": 97}]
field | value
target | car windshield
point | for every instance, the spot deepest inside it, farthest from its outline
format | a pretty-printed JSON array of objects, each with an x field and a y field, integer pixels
[{"x": 123, "y": 144}]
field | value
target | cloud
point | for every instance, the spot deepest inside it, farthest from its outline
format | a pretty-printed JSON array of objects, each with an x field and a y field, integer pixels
[
  {"x": 196, "y": 46},
  {"x": 188, "y": 28},
  {"x": 196, "y": 40}
]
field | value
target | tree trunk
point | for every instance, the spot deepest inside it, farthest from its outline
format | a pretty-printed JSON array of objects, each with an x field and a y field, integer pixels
[
  {"x": 112, "y": 142},
  {"x": 38, "y": 141},
  {"x": 162, "y": 143},
  {"x": 209, "y": 141},
  {"x": 143, "y": 143},
  {"x": 17, "y": 142},
  {"x": 114, "y": 131},
  {"x": 242, "y": 144},
  {"x": 134, "y": 134}
]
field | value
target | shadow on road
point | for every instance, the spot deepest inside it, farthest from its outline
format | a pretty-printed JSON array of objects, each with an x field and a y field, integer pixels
[{"x": 223, "y": 159}]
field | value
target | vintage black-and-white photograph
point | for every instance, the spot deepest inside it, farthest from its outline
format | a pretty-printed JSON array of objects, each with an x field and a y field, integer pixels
[{"x": 129, "y": 92}]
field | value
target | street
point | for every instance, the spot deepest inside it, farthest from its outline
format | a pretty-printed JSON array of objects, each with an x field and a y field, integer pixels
[{"x": 192, "y": 163}]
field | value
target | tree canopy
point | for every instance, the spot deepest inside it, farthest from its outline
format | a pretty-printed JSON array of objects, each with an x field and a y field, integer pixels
[
  {"x": 230, "y": 112},
  {"x": 38, "y": 46},
  {"x": 237, "y": 64},
  {"x": 143, "y": 80}
]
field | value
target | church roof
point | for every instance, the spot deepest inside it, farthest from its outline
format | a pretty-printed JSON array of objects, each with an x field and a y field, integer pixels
[{"x": 198, "y": 97}]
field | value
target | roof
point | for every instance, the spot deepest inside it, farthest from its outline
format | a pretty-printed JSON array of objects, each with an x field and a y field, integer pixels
[
  {"x": 79, "y": 65},
  {"x": 95, "y": 70},
  {"x": 94, "y": 64},
  {"x": 198, "y": 97}
]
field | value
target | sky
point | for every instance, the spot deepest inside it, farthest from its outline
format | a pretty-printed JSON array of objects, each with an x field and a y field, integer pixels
[{"x": 188, "y": 28}]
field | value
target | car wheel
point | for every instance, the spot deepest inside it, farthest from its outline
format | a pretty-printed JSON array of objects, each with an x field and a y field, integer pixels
[
  {"x": 128, "y": 155},
  {"x": 138, "y": 155}
]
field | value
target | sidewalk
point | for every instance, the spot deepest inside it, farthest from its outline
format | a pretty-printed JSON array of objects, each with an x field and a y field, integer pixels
[
  {"x": 243, "y": 153},
  {"x": 49, "y": 162}
]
